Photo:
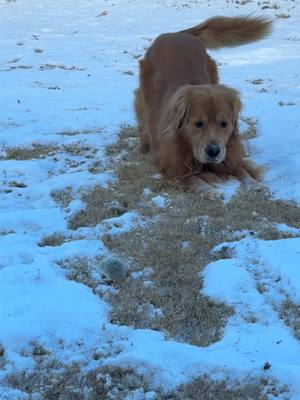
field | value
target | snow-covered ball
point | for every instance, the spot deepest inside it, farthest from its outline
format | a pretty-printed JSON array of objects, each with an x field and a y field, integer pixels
[{"x": 113, "y": 268}]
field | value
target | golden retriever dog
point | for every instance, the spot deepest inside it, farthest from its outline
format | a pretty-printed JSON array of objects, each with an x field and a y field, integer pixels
[{"x": 187, "y": 120}]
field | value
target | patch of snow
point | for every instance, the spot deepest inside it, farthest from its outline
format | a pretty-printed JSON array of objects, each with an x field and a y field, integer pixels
[
  {"x": 143, "y": 273},
  {"x": 31, "y": 296},
  {"x": 287, "y": 229},
  {"x": 159, "y": 201},
  {"x": 125, "y": 223},
  {"x": 229, "y": 189}
]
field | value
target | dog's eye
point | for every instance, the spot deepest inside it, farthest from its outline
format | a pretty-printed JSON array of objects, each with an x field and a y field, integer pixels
[
  {"x": 223, "y": 124},
  {"x": 199, "y": 124}
]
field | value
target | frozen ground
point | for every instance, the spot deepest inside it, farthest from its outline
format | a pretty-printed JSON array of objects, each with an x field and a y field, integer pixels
[{"x": 67, "y": 73}]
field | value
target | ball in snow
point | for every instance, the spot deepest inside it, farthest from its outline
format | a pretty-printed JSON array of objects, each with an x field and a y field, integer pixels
[{"x": 113, "y": 268}]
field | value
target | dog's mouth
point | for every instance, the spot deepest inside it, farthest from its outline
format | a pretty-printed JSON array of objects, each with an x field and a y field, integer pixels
[{"x": 210, "y": 160}]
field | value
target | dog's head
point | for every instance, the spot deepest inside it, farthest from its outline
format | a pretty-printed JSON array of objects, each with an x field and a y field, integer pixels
[{"x": 205, "y": 116}]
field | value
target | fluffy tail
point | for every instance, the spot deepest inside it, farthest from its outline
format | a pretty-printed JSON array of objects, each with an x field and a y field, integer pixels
[{"x": 220, "y": 32}]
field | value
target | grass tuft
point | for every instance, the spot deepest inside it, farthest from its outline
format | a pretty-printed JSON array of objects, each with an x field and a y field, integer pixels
[
  {"x": 36, "y": 151},
  {"x": 52, "y": 380},
  {"x": 290, "y": 313}
]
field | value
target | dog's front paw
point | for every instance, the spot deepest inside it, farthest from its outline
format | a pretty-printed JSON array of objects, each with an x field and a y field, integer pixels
[
  {"x": 206, "y": 191},
  {"x": 213, "y": 195},
  {"x": 251, "y": 184}
]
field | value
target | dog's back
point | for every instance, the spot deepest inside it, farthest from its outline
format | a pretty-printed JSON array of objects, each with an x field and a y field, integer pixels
[{"x": 180, "y": 58}]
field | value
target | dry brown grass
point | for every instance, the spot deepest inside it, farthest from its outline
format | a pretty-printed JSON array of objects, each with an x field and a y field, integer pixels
[
  {"x": 290, "y": 313},
  {"x": 101, "y": 203},
  {"x": 36, "y": 151},
  {"x": 187, "y": 315},
  {"x": 5, "y": 232},
  {"x": 79, "y": 269},
  {"x": 17, "y": 184},
  {"x": 80, "y": 132},
  {"x": 62, "y": 197},
  {"x": 57, "y": 239},
  {"x": 251, "y": 131},
  {"x": 95, "y": 167},
  {"x": 204, "y": 389},
  {"x": 127, "y": 138},
  {"x": 52, "y": 380},
  {"x": 61, "y": 66},
  {"x": 79, "y": 149}
]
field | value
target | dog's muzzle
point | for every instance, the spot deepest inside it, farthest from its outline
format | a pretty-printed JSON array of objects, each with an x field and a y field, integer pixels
[
  {"x": 212, "y": 153},
  {"x": 212, "y": 150}
]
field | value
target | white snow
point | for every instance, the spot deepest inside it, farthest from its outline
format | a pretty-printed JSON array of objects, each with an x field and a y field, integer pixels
[
  {"x": 125, "y": 223},
  {"x": 65, "y": 67},
  {"x": 256, "y": 333},
  {"x": 35, "y": 311},
  {"x": 159, "y": 201}
]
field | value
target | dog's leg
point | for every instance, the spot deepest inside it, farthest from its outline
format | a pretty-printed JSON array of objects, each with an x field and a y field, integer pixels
[
  {"x": 212, "y": 70},
  {"x": 144, "y": 146}
]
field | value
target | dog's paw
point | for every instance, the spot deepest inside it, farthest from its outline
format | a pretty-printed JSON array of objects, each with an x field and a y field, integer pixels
[
  {"x": 207, "y": 192},
  {"x": 213, "y": 195},
  {"x": 253, "y": 185}
]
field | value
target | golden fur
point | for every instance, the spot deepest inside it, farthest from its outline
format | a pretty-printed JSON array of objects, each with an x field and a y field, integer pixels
[{"x": 187, "y": 119}]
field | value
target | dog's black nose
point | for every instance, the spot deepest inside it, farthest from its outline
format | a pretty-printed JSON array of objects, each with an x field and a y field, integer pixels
[{"x": 212, "y": 150}]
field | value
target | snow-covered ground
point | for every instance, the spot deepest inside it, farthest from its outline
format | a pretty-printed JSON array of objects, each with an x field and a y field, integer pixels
[{"x": 69, "y": 67}]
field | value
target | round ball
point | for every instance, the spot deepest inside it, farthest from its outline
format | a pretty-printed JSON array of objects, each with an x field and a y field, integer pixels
[{"x": 113, "y": 268}]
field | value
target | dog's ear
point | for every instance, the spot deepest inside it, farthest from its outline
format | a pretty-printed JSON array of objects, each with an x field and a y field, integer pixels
[
  {"x": 236, "y": 105},
  {"x": 175, "y": 112},
  {"x": 232, "y": 97}
]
